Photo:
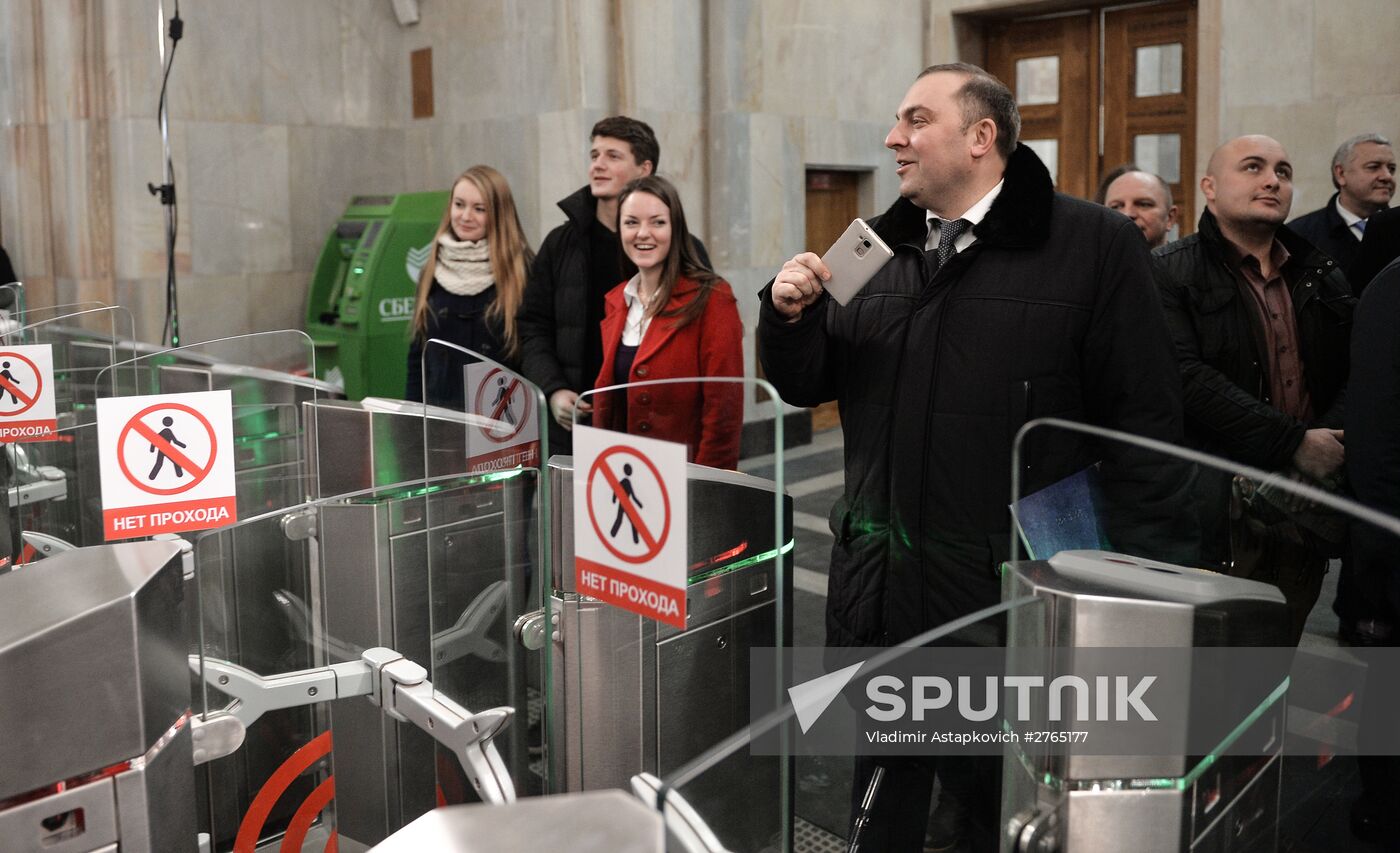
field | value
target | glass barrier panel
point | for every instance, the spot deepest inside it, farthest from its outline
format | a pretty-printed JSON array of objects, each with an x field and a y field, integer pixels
[
  {"x": 658, "y": 627},
  {"x": 873, "y": 746},
  {"x": 281, "y": 597},
  {"x": 1210, "y": 584},
  {"x": 259, "y": 595},
  {"x": 54, "y": 488},
  {"x": 86, "y": 343},
  {"x": 31, "y": 314},
  {"x": 275, "y": 402},
  {"x": 484, "y": 446},
  {"x": 318, "y": 584}
]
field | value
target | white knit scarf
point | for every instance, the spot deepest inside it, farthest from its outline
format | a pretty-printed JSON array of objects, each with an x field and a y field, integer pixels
[{"x": 463, "y": 266}]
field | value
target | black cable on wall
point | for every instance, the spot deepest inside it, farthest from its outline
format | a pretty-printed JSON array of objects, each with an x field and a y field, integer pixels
[{"x": 166, "y": 191}]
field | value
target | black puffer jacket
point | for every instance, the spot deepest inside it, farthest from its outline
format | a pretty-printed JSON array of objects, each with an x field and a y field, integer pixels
[
  {"x": 1051, "y": 312},
  {"x": 553, "y": 320},
  {"x": 461, "y": 320},
  {"x": 1219, "y": 345}
]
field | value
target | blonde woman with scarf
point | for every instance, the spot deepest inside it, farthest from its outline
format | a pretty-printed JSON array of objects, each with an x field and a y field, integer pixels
[{"x": 469, "y": 289}]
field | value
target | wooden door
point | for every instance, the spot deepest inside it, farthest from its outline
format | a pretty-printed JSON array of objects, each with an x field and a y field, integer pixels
[
  {"x": 1048, "y": 65},
  {"x": 833, "y": 200},
  {"x": 1149, "y": 71},
  {"x": 1103, "y": 86}
]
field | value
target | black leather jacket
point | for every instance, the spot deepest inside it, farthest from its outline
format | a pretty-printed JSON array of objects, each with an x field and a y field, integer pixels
[{"x": 1219, "y": 346}]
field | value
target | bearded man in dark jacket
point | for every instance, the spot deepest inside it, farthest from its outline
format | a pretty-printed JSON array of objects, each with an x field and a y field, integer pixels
[
  {"x": 1043, "y": 307},
  {"x": 1261, "y": 322}
]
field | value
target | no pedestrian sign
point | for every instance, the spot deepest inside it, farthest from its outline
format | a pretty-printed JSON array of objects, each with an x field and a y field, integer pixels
[
  {"x": 630, "y": 522},
  {"x": 166, "y": 462},
  {"x": 27, "y": 394},
  {"x": 505, "y": 432}
]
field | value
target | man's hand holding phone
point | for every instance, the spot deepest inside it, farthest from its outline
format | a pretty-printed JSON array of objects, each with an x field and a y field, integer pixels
[
  {"x": 799, "y": 284},
  {"x": 855, "y": 257}
]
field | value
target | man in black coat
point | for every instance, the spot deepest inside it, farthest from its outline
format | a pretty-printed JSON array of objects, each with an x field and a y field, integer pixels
[
  {"x": 1260, "y": 319},
  {"x": 1378, "y": 249},
  {"x": 1373, "y": 463},
  {"x": 578, "y": 263},
  {"x": 1363, "y": 171},
  {"x": 1004, "y": 302}
]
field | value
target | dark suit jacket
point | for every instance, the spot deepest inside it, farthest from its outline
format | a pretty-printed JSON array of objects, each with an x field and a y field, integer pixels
[
  {"x": 1381, "y": 246},
  {"x": 1326, "y": 230}
]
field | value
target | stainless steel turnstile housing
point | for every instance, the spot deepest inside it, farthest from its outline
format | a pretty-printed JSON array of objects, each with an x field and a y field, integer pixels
[
  {"x": 1107, "y": 803},
  {"x": 637, "y": 695},
  {"x": 95, "y": 745}
]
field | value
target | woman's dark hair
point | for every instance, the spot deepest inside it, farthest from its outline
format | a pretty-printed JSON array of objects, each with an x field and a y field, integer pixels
[{"x": 682, "y": 259}]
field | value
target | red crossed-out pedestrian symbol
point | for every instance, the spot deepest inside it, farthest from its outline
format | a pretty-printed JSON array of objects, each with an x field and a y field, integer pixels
[
  {"x": 162, "y": 439},
  {"x": 621, "y": 499},
  {"x": 20, "y": 383},
  {"x": 496, "y": 398}
]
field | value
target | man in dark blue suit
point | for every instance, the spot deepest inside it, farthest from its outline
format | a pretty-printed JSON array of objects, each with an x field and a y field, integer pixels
[{"x": 1363, "y": 171}]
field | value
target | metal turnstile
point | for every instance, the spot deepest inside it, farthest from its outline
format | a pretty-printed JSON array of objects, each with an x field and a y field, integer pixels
[
  {"x": 97, "y": 738},
  {"x": 632, "y": 695},
  {"x": 436, "y": 573},
  {"x": 1092, "y": 802}
]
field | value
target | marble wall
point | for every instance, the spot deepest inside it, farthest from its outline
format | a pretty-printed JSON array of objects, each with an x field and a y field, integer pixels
[
  {"x": 278, "y": 112},
  {"x": 281, "y": 111},
  {"x": 1310, "y": 73}
]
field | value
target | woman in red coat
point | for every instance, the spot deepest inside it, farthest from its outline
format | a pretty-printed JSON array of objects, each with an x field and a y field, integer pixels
[{"x": 675, "y": 318}]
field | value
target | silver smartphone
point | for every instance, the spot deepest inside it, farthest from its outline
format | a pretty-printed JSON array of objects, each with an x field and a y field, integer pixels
[{"x": 854, "y": 259}]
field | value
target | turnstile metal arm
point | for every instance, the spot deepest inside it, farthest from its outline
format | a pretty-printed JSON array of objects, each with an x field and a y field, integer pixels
[
  {"x": 467, "y": 636},
  {"x": 397, "y": 685},
  {"x": 44, "y": 545},
  {"x": 255, "y": 695},
  {"x": 402, "y": 690},
  {"x": 54, "y": 487}
]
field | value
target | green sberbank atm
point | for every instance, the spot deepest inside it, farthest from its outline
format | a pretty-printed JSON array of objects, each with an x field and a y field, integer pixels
[{"x": 361, "y": 297}]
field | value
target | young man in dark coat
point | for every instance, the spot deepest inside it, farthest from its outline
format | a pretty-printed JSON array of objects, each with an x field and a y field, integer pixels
[
  {"x": 579, "y": 262},
  {"x": 1004, "y": 302},
  {"x": 1260, "y": 319}
]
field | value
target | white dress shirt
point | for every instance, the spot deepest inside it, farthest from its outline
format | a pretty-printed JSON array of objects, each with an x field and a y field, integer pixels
[
  {"x": 637, "y": 320},
  {"x": 974, "y": 215},
  {"x": 1351, "y": 219}
]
